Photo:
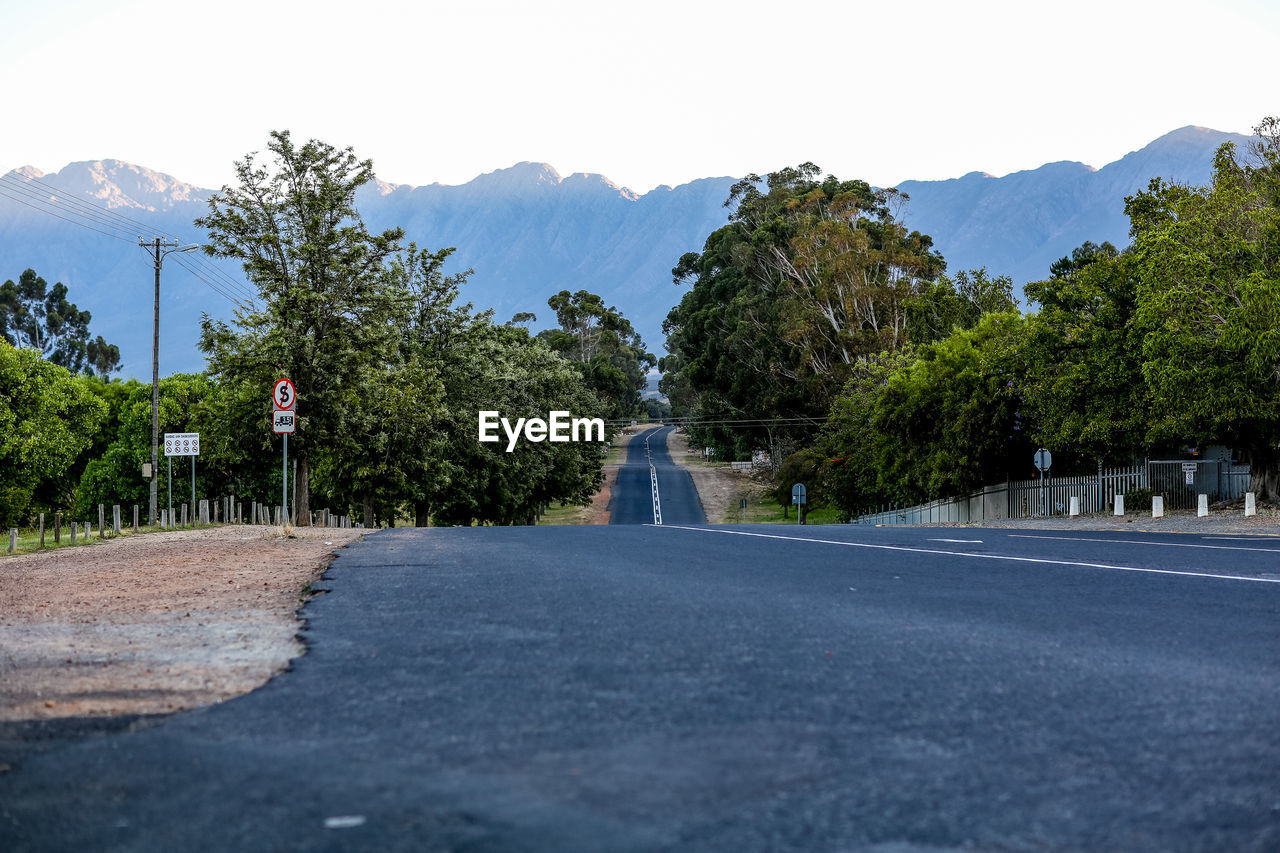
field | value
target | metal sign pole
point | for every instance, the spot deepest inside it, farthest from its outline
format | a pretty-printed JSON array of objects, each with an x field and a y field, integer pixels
[
  {"x": 170, "y": 490},
  {"x": 284, "y": 489},
  {"x": 193, "y": 490}
]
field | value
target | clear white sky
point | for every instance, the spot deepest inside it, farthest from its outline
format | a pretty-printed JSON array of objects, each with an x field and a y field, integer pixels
[{"x": 647, "y": 93}]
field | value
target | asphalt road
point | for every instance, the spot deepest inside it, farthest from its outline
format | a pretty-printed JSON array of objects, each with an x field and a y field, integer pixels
[
  {"x": 632, "y": 500},
  {"x": 645, "y": 688}
]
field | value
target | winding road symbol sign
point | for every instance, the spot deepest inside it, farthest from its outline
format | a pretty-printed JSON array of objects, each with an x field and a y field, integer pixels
[{"x": 283, "y": 395}]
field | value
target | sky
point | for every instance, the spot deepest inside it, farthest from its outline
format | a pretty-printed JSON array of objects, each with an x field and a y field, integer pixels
[{"x": 645, "y": 93}]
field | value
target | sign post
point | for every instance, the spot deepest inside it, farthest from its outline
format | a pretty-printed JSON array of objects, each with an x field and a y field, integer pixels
[
  {"x": 284, "y": 397},
  {"x": 1044, "y": 459},
  {"x": 181, "y": 444},
  {"x": 798, "y": 499}
]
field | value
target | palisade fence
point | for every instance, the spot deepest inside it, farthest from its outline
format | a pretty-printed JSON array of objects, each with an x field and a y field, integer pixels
[{"x": 1220, "y": 479}]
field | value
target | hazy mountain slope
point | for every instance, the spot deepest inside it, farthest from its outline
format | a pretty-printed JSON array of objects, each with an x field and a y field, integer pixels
[
  {"x": 529, "y": 233},
  {"x": 1021, "y": 223}
]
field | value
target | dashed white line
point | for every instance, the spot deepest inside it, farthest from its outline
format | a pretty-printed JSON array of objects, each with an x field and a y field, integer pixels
[
  {"x": 968, "y": 541},
  {"x": 977, "y": 556}
]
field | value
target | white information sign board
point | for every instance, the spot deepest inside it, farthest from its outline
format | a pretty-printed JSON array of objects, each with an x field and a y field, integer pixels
[{"x": 182, "y": 444}]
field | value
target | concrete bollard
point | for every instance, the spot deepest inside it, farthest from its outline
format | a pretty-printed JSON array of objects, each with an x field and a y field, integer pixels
[
  {"x": 204, "y": 511},
  {"x": 1202, "y": 505},
  {"x": 1157, "y": 506},
  {"x": 1073, "y": 507},
  {"x": 115, "y": 519},
  {"x": 1250, "y": 504},
  {"x": 1119, "y": 505},
  {"x": 184, "y": 515},
  {"x": 13, "y": 539}
]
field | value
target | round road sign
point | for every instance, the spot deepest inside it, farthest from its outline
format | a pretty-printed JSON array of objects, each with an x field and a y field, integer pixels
[{"x": 283, "y": 395}]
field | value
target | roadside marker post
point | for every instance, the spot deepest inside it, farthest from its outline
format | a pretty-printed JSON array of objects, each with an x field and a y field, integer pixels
[{"x": 284, "y": 399}]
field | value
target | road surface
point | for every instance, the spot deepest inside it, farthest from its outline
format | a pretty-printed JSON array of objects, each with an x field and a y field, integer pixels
[
  {"x": 653, "y": 489},
  {"x": 742, "y": 689}
]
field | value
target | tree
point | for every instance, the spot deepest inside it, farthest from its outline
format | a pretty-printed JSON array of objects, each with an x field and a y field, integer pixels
[
  {"x": 938, "y": 423},
  {"x": 47, "y": 418},
  {"x": 947, "y": 304},
  {"x": 1080, "y": 359},
  {"x": 39, "y": 317},
  {"x": 809, "y": 278},
  {"x": 606, "y": 349},
  {"x": 321, "y": 276},
  {"x": 1208, "y": 266}
]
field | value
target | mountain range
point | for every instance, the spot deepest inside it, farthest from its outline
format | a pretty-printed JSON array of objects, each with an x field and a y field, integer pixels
[{"x": 528, "y": 233}]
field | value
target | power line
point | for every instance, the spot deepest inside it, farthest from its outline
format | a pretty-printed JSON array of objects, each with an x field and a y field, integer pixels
[{"x": 90, "y": 216}]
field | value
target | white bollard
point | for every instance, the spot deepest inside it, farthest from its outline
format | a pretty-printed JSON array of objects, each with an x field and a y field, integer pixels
[
  {"x": 1119, "y": 505},
  {"x": 1073, "y": 508},
  {"x": 1202, "y": 506},
  {"x": 1157, "y": 506},
  {"x": 1250, "y": 504}
]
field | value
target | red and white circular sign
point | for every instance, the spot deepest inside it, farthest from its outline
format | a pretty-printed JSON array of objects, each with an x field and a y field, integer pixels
[{"x": 283, "y": 395}]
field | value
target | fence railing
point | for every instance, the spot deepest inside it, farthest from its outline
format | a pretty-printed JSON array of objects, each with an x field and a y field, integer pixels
[{"x": 1219, "y": 479}]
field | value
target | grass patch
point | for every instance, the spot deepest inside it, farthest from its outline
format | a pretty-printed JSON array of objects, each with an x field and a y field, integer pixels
[
  {"x": 562, "y": 515},
  {"x": 765, "y": 510}
]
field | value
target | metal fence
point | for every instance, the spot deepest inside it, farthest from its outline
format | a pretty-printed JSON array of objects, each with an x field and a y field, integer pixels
[{"x": 1219, "y": 479}]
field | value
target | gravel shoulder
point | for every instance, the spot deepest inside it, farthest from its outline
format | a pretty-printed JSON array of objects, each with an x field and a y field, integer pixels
[{"x": 155, "y": 623}]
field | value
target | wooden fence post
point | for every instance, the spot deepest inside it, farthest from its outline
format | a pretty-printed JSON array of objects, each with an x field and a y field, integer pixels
[
  {"x": 42, "y": 530},
  {"x": 102, "y": 521}
]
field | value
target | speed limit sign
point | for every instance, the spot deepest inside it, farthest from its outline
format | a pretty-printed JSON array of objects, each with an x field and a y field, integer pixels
[{"x": 283, "y": 395}]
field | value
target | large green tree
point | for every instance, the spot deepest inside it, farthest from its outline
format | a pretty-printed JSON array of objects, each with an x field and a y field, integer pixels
[
  {"x": 608, "y": 352},
  {"x": 47, "y": 417},
  {"x": 1208, "y": 264},
  {"x": 811, "y": 276},
  {"x": 323, "y": 309},
  {"x": 35, "y": 315}
]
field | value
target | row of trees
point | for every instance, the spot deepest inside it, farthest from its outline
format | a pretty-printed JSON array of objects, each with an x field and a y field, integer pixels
[
  {"x": 816, "y": 309},
  {"x": 390, "y": 369},
  {"x": 36, "y": 316}
]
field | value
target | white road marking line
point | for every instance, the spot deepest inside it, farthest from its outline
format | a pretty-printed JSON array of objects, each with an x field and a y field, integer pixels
[
  {"x": 1145, "y": 542},
  {"x": 1257, "y": 537},
  {"x": 973, "y": 541},
  {"x": 977, "y": 556}
]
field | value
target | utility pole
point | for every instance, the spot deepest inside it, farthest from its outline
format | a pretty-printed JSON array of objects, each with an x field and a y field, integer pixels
[{"x": 158, "y": 248}]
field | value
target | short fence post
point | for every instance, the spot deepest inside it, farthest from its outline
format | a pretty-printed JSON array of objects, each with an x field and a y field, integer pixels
[
  {"x": 57, "y": 528},
  {"x": 88, "y": 530},
  {"x": 42, "y": 530},
  {"x": 1250, "y": 504},
  {"x": 184, "y": 515},
  {"x": 1202, "y": 505},
  {"x": 73, "y": 531},
  {"x": 135, "y": 518},
  {"x": 1157, "y": 506},
  {"x": 13, "y": 539},
  {"x": 115, "y": 519},
  {"x": 102, "y": 521}
]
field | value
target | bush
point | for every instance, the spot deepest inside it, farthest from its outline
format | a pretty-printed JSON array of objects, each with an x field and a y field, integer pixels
[{"x": 1137, "y": 499}]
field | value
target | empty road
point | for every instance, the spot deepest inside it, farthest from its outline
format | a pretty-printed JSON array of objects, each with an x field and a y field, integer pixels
[
  {"x": 686, "y": 688},
  {"x": 651, "y": 488}
]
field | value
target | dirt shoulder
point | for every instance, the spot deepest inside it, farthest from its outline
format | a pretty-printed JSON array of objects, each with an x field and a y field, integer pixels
[
  {"x": 719, "y": 487},
  {"x": 154, "y": 623}
]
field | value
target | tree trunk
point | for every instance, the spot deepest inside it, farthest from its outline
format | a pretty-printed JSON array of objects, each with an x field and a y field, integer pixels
[
  {"x": 368, "y": 512},
  {"x": 421, "y": 514},
  {"x": 302, "y": 483},
  {"x": 1264, "y": 471}
]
